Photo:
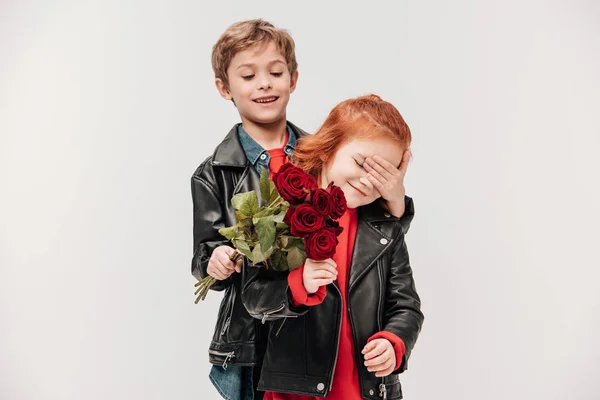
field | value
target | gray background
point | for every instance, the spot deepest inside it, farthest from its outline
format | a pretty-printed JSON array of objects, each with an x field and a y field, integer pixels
[{"x": 107, "y": 107}]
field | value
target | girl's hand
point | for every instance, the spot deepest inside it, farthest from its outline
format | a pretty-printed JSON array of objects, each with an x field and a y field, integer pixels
[
  {"x": 380, "y": 357},
  {"x": 388, "y": 180},
  {"x": 318, "y": 273},
  {"x": 220, "y": 266}
]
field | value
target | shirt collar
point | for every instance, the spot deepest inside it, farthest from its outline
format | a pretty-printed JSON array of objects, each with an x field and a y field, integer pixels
[{"x": 254, "y": 150}]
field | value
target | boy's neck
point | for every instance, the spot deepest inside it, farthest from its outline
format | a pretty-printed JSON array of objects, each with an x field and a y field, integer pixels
[{"x": 269, "y": 136}]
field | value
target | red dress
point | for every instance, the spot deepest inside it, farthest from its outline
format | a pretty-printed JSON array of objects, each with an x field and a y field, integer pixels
[{"x": 345, "y": 381}]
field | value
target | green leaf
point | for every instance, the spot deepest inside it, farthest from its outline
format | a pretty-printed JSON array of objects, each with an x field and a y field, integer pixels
[
  {"x": 274, "y": 194},
  {"x": 278, "y": 261},
  {"x": 247, "y": 203},
  {"x": 239, "y": 216},
  {"x": 265, "y": 227},
  {"x": 295, "y": 258},
  {"x": 282, "y": 227},
  {"x": 289, "y": 242},
  {"x": 258, "y": 255},
  {"x": 242, "y": 246},
  {"x": 280, "y": 215},
  {"x": 229, "y": 232},
  {"x": 265, "y": 185},
  {"x": 265, "y": 212}
]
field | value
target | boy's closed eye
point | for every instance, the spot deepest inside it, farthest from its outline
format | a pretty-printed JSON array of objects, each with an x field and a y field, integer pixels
[{"x": 248, "y": 77}]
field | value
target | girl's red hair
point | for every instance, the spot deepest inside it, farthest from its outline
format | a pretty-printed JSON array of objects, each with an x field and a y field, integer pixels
[{"x": 362, "y": 117}]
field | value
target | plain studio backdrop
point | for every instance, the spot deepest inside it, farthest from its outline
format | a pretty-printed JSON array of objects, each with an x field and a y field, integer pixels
[{"x": 107, "y": 108}]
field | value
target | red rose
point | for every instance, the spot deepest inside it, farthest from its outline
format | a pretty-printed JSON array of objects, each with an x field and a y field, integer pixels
[
  {"x": 288, "y": 216},
  {"x": 339, "y": 202},
  {"x": 305, "y": 220},
  {"x": 291, "y": 182},
  {"x": 321, "y": 245},
  {"x": 321, "y": 201},
  {"x": 335, "y": 226}
]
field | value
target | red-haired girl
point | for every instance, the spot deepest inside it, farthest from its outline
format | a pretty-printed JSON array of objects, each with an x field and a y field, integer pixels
[{"x": 344, "y": 328}]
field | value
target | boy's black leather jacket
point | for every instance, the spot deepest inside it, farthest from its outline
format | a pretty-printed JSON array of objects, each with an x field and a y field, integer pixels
[{"x": 238, "y": 338}]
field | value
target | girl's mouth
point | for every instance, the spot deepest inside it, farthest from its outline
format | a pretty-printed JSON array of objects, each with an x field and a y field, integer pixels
[{"x": 358, "y": 190}]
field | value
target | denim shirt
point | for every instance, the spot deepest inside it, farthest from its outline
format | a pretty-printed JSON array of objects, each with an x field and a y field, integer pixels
[{"x": 256, "y": 155}]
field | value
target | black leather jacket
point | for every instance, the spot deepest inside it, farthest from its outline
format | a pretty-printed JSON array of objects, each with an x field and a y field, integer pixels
[
  {"x": 238, "y": 338},
  {"x": 303, "y": 341}
]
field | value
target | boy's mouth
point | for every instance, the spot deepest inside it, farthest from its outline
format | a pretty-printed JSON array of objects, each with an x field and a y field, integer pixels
[{"x": 266, "y": 99}]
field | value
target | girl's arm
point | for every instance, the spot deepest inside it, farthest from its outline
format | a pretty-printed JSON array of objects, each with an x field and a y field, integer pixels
[{"x": 402, "y": 309}]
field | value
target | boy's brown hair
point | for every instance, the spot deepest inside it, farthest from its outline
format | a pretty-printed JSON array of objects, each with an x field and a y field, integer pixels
[{"x": 244, "y": 34}]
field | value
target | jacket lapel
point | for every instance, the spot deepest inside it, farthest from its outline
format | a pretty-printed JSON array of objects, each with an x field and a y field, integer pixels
[{"x": 371, "y": 242}]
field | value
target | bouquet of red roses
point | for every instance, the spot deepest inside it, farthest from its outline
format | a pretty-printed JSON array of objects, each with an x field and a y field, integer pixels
[{"x": 296, "y": 220}]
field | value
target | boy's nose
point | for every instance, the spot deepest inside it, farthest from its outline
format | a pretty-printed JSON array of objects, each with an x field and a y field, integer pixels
[{"x": 265, "y": 83}]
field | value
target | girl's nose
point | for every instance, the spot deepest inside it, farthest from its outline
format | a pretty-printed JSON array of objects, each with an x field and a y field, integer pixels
[{"x": 366, "y": 182}]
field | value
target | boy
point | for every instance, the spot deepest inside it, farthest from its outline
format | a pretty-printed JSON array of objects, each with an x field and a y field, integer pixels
[{"x": 255, "y": 67}]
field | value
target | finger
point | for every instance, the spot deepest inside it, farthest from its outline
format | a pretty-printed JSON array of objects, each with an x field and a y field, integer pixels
[
  {"x": 238, "y": 266},
  {"x": 380, "y": 359},
  {"x": 323, "y": 275},
  {"x": 385, "y": 372},
  {"x": 215, "y": 273},
  {"x": 375, "y": 352},
  {"x": 322, "y": 282},
  {"x": 379, "y": 187},
  {"x": 223, "y": 259},
  {"x": 328, "y": 268},
  {"x": 380, "y": 367},
  {"x": 327, "y": 261},
  {"x": 383, "y": 166},
  {"x": 368, "y": 347}
]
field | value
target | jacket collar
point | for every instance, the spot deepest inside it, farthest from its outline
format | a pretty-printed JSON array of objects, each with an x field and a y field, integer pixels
[
  {"x": 230, "y": 152},
  {"x": 375, "y": 233}
]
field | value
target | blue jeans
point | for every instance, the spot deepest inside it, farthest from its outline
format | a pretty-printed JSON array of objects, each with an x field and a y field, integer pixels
[{"x": 233, "y": 383}]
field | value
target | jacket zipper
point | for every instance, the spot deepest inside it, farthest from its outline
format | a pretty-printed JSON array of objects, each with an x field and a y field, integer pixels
[
  {"x": 382, "y": 388},
  {"x": 228, "y": 356},
  {"x": 270, "y": 312},
  {"x": 337, "y": 346}
]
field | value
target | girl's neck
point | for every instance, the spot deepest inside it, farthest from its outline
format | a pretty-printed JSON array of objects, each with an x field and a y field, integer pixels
[{"x": 269, "y": 136}]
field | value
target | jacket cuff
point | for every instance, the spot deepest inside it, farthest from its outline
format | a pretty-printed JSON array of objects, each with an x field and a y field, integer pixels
[
  {"x": 299, "y": 295},
  {"x": 397, "y": 344}
]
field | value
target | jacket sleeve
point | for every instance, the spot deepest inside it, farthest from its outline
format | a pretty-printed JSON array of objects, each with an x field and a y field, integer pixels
[
  {"x": 409, "y": 214},
  {"x": 402, "y": 316},
  {"x": 208, "y": 219},
  {"x": 266, "y": 294}
]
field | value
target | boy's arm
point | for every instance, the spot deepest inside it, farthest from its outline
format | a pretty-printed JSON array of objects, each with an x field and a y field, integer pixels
[
  {"x": 402, "y": 316},
  {"x": 208, "y": 219}
]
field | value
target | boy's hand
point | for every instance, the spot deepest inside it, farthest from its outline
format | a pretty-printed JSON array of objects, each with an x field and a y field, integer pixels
[
  {"x": 389, "y": 181},
  {"x": 380, "y": 357},
  {"x": 318, "y": 273},
  {"x": 220, "y": 266}
]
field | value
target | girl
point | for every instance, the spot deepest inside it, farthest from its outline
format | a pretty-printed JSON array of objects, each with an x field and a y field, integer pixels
[{"x": 344, "y": 328}]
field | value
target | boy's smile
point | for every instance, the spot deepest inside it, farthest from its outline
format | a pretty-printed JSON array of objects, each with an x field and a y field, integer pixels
[{"x": 259, "y": 85}]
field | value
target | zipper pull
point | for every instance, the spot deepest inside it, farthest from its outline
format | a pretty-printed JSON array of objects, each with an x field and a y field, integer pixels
[
  {"x": 382, "y": 391},
  {"x": 227, "y": 358}
]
